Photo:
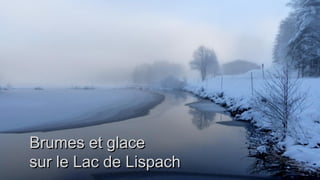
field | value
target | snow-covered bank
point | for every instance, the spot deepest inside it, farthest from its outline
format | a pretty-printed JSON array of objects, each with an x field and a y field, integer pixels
[
  {"x": 235, "y": 92},
  {"x": 26, "y": 110}
]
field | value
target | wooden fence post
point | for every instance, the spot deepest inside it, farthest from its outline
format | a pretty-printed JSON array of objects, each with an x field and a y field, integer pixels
[
  {"x": 251, "y": 83},
  {"x": 221, "y": 83}
]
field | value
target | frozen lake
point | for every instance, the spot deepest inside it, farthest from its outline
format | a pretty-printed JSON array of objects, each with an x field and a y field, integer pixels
[{"x": 208, "y": 143}]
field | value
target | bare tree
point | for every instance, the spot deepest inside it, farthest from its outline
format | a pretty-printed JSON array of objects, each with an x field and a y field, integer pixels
[
  {"x": 280, "y": 101},
  {"x": 205, "y": 60}
]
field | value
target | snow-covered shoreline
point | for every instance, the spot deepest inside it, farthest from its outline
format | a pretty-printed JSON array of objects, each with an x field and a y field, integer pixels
[
  {"x": 29, "y": 110},
  {"x": 234, "y": 93}
]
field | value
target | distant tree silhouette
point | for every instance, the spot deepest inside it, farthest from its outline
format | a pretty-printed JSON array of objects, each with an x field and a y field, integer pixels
[{"x": 205, "y": 61}]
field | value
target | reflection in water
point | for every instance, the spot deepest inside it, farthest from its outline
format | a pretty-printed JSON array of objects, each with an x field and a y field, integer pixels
[
  {"x": 172, "y": 175},
  {"x": 177, "y": 95},
  {"x": 167, "y": 130},
  {"x": 263, "y": 165},
  {"x": 202, "y": 120},
  {"x": 266, "y": 165},
  {"x": 174, "y": 97}
]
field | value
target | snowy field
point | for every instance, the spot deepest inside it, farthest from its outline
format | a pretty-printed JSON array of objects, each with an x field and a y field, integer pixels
[
  {"x": 238, "y": 93},
  {"x": 25, "y": 110}
]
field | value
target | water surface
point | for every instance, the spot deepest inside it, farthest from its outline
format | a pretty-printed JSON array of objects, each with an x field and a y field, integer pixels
[{"x": 209, "y": 144}]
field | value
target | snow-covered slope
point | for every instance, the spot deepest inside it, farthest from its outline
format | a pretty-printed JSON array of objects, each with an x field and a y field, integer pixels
[
  {"x": 237, "y": 94},
  {"x": 24, "y": 110}
]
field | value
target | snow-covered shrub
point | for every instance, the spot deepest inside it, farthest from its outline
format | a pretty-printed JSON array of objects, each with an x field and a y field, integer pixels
[{"x": 280, "y": 101}]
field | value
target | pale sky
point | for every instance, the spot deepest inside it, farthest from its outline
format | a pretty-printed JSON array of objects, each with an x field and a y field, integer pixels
[{"x": 82, "y": 41}]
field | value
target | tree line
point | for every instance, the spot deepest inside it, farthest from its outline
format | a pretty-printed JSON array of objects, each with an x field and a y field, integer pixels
[{"x": 298, "y": 41}]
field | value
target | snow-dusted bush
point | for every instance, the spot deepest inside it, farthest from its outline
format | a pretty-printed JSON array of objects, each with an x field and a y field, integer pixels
[{"x": 280, "y": 101}]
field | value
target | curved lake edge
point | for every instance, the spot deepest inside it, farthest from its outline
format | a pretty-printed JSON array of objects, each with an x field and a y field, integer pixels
[
  {"x": 209, "y": 144},
  {"x": 260, "y": 160},
  {"x": 271, "y": 161},
  {"x": 138, "y": 110}
]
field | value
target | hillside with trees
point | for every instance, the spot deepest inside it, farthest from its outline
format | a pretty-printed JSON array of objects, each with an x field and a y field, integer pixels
[{"x": 298, "y": 41}]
